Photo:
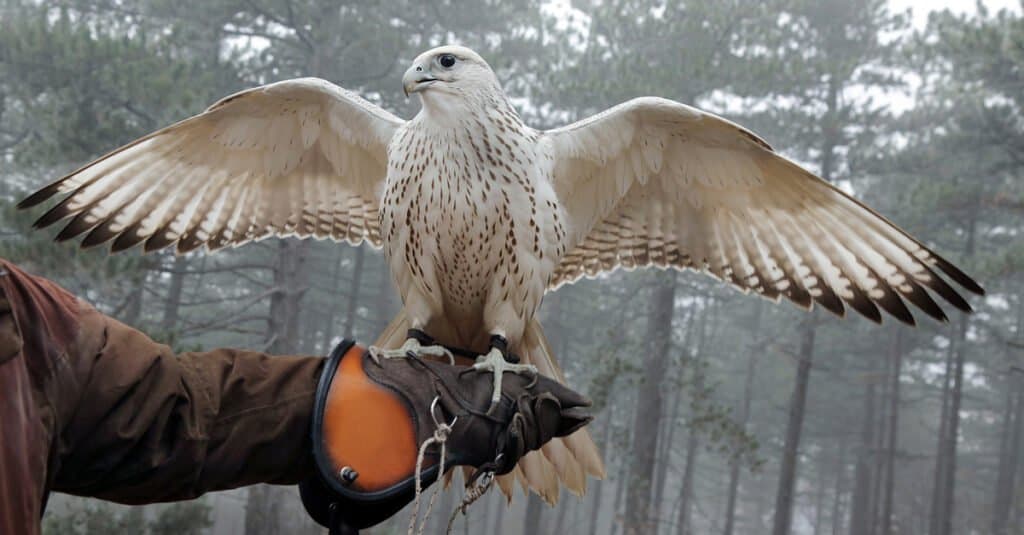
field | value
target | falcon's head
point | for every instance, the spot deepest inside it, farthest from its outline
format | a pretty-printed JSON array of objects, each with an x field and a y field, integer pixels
[{"x": 449, "y": 71}]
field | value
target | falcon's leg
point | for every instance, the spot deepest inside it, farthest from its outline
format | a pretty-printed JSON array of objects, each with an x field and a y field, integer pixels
[
  {"x": 419, "y": 343},
  {"x": 498, "y": 361}
]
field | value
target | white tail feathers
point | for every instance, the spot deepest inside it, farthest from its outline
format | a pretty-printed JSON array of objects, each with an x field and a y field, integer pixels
[
  {"x": 573, "y": 457},
  {"x": 563, "y": 461}
]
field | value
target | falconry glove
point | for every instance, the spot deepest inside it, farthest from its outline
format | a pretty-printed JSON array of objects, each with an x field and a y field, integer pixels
[{"x": 372, "y": 416}]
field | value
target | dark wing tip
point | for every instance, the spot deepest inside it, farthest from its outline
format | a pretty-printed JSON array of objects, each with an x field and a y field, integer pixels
[
  {"x": 124, "y": 241},
  {"x": 909, "y": 321},
  {"x": 897, "y": 309},
  {"x": 39, "y": 196},
  {"x": 75, "y": 228},
  {"x": 188, "y": 243},
  {"x": 959, "y": 276},
  {"x": 53, "y": 215},
  {"x": 158, "y": 241},
  {"x": 971, "y": 285},
  {"x": 66, "y": 233},
  {"x": 924, "y": 302},
  {"x": 97, "y": 236},
  {"x": 831, "y": 302},
  {"x": 864, "y": 306}
]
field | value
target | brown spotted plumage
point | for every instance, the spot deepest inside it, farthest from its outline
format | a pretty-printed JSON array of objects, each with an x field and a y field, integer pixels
[{"x": 479, "y": 214}]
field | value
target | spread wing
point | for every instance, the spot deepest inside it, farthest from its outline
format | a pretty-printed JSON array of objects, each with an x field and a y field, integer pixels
[
  {"x": 655, "y": 182},
  {"x": 300, "y": 157}
]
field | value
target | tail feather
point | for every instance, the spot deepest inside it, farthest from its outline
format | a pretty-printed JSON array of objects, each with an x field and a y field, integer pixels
[
  {"x": 568, "y": 468},
  {"x": 540, "y": 476},
  {"x": 567, "y": 460},
  {"x": 585, "y": 451},
  {"x": 574, "y": 455},
  {"x": 506, "y": 484}
]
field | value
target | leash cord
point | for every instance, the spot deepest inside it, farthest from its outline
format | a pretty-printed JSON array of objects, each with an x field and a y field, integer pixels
[{"x": 441, "y": 432}]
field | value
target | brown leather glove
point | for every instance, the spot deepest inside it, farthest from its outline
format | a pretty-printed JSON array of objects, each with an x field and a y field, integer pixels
[
  {"x": 373, "y": 416},
  {"x": 532, "y": 410}
]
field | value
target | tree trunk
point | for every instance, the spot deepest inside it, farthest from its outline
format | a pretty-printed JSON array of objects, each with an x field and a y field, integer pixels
[
  {"x": 666, "y": 439},
  {"x": 1009, "y": 459},
  {"x": 133, "y": 305},
  {"x": 328, "y": 331},
  {"x": 896, "y": 364},
  {"x": 669, "y": 424},
  {"x": 686, "y": 492},
  {"x": 877, "y": 459},
  {"x": 531, "y": 523},
  {"x": 598, "y": 486},
  {"x": 819, "y": 495},
  {"x": 938, "y": 487},
  {"x": 693, "y": 438},
  {"x": 263, "y": 514},
  {"x": 860, "y": 509},
  {"x": 499, "y": 517},
  {"x": 618, "y": 520},
  {"x": 944, "y": 493},
  {"x": 648, "y": 408},
  {"x": 744, "y": 417},
  {"x": 289, "y": 287},
  {"x": 172, "y": 305},
  {"x": 794, "y": 425},
  {"x": 950, "y": 444},
  {"x": 357, "y": 282},
  {"x": 837, "y": 498}
]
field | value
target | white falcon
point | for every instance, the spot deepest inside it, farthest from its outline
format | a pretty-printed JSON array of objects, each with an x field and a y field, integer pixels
[{"x": 479, "y": 214}]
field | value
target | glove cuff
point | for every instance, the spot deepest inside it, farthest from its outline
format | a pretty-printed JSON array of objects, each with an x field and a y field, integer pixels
[{"x": 364, "y": 446}]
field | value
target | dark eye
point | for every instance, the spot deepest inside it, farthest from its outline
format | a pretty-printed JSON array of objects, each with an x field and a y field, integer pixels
[{"x": 446, "y": 60}]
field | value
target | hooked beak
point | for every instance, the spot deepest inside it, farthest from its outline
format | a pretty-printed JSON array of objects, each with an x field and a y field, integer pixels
[{"x": 416, "y": 79}]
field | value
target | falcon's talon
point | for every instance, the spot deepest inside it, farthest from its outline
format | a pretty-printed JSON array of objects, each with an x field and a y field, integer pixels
[
  {"x": 411, "y": 349},
  {"x": 374, "y": 353},
  {"x": 494, "y": 362}
]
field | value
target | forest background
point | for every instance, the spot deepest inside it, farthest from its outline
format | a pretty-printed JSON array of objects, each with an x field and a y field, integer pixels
[{"x": 764, "y": 418}]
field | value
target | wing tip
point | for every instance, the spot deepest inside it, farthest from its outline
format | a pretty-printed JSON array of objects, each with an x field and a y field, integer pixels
[
  {"x": 97, "y": 236},
  {"x": 70, "y": 231},
  {"x": 972, "y": 286},
  {"x": 51, "y": 216},
  {"x": 39, "y": 196},
  {"x": 156, "y": 243},
  {"x": 899, "y": 310},
  {"x": 958, "y": 275}
]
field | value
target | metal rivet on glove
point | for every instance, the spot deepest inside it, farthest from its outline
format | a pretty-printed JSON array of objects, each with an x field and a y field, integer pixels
[{"x": 348, "y": 475}]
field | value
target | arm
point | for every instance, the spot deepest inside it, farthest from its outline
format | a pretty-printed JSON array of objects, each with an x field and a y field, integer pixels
[
  {"x": 103, "y": 410},
  {"x": 154, "y": 426}
]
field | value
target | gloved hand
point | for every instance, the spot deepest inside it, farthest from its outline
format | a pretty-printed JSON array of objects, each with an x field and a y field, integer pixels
[
  {"x": 532, "y": 410},
  {"x": 372, "y": 417}
]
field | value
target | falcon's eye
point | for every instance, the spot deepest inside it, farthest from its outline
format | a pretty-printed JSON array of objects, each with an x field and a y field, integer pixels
[{"x": 446, "y": 60}]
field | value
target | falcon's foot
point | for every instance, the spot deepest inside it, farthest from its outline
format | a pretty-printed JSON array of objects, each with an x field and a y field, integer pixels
[
  {"x": 497, "y": 362},
  {"x": 414, "y": 345}
]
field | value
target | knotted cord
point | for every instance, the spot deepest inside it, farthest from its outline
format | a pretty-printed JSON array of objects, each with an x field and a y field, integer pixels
[
  {"x": 441, "y": 432},
  {"x": 472, "y": 495}
]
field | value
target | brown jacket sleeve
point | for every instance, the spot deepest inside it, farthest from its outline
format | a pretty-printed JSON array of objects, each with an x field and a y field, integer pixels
[
  {"x": 152, "y": 426},
  {"x": 99, "y": 409}
]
